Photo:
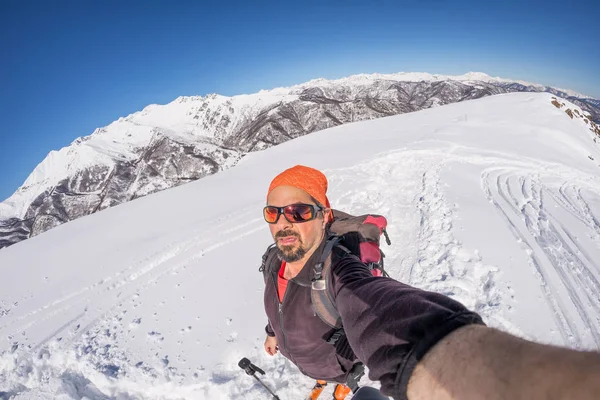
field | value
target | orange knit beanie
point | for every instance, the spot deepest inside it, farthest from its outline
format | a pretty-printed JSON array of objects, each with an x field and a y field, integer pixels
[{"x": 308, "y": 179}]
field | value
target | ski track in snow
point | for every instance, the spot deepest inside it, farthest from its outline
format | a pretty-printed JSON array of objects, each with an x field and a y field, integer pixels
[
  {"x": 444, "y": 265},
  {"x": 91, "y": 338},
  {"x": 427, "y": 255},
  {"x": 553, "y": 251},
  {"x": 404, "y": 185},
  {"x": 145, "y": 272}
]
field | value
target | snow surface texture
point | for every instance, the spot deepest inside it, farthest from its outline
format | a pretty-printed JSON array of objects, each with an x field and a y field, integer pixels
[{"x": 494, "y": 202}]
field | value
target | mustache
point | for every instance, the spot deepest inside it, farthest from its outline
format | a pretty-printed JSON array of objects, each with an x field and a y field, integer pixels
[{"x": 285, "y": 233}]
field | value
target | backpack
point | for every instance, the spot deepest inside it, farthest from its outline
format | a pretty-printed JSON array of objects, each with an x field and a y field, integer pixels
[{"x": 356, "y": 235}]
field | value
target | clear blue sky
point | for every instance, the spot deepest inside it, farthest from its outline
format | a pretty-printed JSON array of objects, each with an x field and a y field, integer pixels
[{"x": 68, "y": 67}]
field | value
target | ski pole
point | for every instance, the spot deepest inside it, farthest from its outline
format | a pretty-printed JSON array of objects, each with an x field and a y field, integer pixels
[{"x": 251, "y": 370}]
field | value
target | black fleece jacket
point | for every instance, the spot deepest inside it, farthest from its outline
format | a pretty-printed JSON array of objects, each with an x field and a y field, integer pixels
[{"x": 389, "y": 325}]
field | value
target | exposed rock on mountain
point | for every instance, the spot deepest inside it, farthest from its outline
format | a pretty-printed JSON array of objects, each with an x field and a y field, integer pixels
[{"x": 192, "y": 137}]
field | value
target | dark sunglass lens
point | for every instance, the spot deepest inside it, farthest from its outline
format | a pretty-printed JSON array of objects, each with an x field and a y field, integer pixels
[
  {"x": 271, "y": 214},
  {"x": 299, "y": 213}
]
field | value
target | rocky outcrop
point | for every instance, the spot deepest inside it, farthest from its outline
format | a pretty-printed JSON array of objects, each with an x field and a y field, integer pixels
[{"x": 192, "y": 137}]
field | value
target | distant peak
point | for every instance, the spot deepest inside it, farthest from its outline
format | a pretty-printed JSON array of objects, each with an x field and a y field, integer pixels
[{"x": 476, "y": 76}]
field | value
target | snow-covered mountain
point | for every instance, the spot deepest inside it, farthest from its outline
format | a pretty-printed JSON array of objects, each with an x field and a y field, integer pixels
[
  {"x": 494, "y": 202},
  {"x": 192, "y": 137}
]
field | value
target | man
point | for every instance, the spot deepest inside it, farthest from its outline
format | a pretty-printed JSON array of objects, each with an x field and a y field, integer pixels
[
  {"x": 302, "y": 336},
  {"x": 418, "y": 344}
]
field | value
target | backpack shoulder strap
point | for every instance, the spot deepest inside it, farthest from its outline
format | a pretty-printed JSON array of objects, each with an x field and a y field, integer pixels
[
  {"x": 267, "y": 259},
  {"x": 321, "y": 298}
]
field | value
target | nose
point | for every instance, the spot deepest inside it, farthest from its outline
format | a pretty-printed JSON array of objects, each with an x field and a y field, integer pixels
[{"x": 282, "y": 222}]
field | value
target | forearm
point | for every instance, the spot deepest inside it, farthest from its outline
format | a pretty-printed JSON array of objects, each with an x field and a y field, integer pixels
[
  {"x": 390, "y": 325},
  {"x": 476, "y": 362}
]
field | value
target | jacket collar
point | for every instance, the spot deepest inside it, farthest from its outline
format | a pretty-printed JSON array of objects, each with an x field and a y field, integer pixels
[{"x": 306, "y": 274}]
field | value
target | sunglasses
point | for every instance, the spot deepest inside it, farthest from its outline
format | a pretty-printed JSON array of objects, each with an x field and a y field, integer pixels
[{"x": 294, "y": 213}]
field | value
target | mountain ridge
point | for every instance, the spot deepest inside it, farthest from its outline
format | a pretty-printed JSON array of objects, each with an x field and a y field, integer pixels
[{"x": 162, "y": 146}]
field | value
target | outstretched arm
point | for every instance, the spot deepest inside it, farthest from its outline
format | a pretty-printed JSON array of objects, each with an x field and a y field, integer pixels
[
  {"x": 476, "y": 362},
  {"x": 391, "y": 326},
  {"x": 422, "y": 345}
]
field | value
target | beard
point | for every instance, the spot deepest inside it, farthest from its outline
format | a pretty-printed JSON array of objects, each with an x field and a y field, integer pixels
[{"x": 290, "y": 253}]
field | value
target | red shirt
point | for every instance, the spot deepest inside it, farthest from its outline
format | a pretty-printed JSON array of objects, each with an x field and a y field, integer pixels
[{"x": 281, "y": 282}]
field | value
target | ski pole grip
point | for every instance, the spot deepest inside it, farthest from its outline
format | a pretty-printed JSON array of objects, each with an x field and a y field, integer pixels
[
  {"x": 246, "y": 365},
  {"x": 250, "y": 368}
]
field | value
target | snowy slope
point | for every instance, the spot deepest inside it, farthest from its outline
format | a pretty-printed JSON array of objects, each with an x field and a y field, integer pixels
[
  {"x": 211, "y": 122},
  {"x": 495, "y": 202}
]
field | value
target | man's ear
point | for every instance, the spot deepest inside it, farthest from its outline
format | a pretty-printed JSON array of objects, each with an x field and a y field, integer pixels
[{"x": 327, "y": 217}]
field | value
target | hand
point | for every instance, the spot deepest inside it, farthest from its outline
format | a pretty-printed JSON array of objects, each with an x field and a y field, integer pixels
[{"x": 271, "y": 345}]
